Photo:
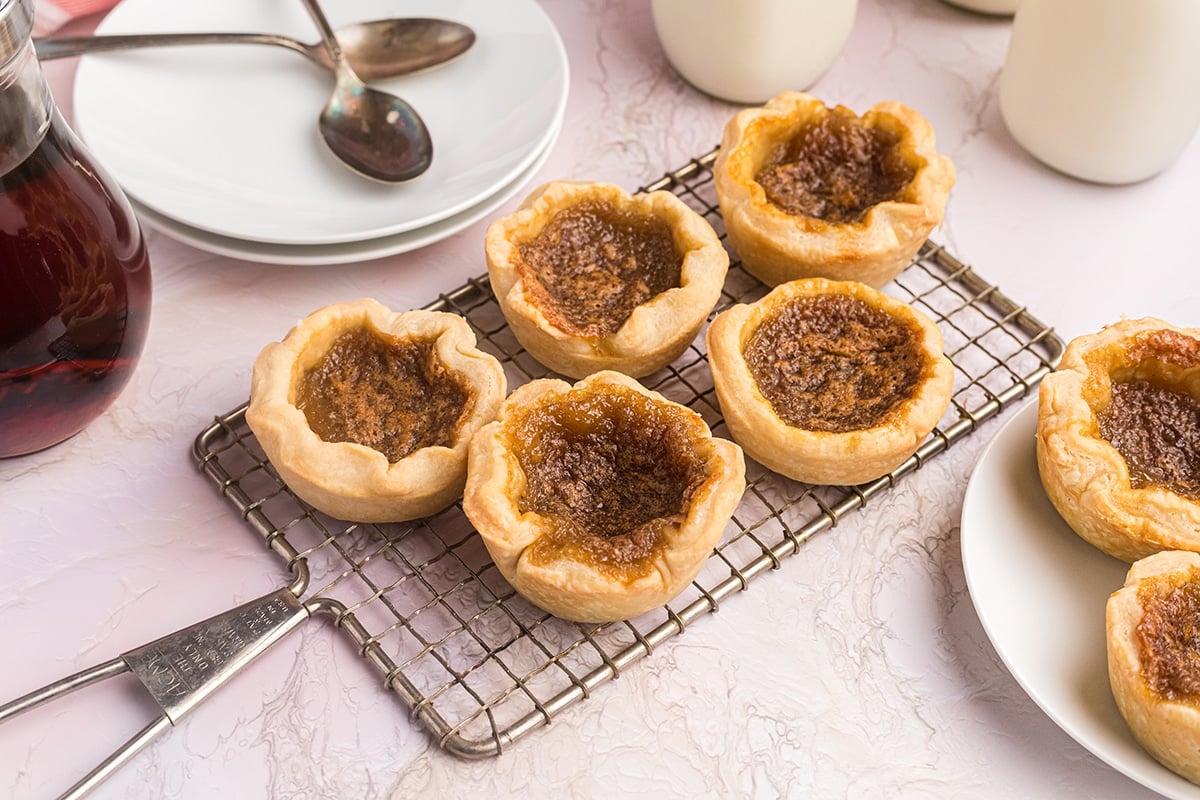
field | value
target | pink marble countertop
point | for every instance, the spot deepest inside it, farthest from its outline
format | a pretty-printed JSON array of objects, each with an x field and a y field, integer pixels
[{"x": 864, "y": 671}]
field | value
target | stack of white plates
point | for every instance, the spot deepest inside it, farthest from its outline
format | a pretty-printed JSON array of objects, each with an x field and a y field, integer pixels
[{"x": 217, "y": 145}]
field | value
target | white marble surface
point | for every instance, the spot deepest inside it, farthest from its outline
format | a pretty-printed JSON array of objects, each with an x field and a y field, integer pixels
[{"x": 858, "y": 670}]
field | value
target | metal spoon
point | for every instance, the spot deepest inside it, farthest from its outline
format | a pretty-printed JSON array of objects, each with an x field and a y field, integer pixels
[
  {"x": 376, "y": 134},
  {"x": 378, "y": 49}
]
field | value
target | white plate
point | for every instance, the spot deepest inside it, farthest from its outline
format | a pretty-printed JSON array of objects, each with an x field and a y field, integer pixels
[
  {"x": 350, "y": 252},
  {"x": 1040, "y": 591},
  {"x": 224, "y": 138}
]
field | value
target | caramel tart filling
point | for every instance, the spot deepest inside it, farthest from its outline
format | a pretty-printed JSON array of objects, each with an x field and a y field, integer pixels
[
  {"x": 834, "y": 363},
  {"x": 1168, "y": 635},
  {"x": 613, "y": 471},
  {"x": 1157, "y": 432},
  {"x": 836, "y": 169},
  {"x": 387, "y": 393},
  {"x": 593, "y": 264}
]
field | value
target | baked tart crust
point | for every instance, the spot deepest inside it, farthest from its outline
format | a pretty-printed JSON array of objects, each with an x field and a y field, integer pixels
[
  {"x": 1152, "y": 657},
  {"x": 602, "y": 500},
  {"x": 430, "y": 354},
  {"x": 777, "y": 246},
  {"x": 665, "y": 319},
  {"x": 850, "y": 398},
  {"x": 1086, "y": 476}
]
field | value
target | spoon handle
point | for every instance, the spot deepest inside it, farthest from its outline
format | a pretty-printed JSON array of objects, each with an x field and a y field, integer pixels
[
  {"x": 327, "y": 34},
  {"x": 48, "y": 49}
]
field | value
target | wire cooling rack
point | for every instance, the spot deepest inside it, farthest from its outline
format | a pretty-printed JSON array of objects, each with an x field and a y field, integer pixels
[{"x": 479, "y": 666}]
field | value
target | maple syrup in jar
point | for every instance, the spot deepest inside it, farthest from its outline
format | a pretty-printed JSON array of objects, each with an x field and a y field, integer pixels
[{"x": 74, "y": 273}]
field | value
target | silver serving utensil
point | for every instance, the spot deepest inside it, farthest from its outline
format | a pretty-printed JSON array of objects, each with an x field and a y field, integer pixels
[
  {"x": 377, "y": 49},
  {"x": 376, "y": 134}
]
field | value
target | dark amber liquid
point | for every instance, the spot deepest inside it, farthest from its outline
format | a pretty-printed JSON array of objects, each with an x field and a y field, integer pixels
[{"x": 74, "y": 294}]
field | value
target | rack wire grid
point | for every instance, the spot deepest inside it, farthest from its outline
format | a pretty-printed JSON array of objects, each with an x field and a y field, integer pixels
[{"x": 479, "y": 666}]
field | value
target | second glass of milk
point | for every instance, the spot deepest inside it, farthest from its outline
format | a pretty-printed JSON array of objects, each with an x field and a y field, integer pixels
[{"x": 747, "y": 51}]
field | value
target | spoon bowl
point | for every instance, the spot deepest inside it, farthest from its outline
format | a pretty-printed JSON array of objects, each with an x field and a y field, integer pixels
[
  {"x": 378, "y": 49},
  {"x": 374, "y": 133},
  {"x": 387, "y": 47}
]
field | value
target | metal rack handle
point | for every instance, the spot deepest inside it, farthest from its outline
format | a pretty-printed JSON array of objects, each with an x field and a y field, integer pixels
[{"x": 179, "y": 670}]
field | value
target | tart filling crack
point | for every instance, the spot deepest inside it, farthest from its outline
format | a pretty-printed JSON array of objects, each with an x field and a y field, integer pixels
[
  {"x": 811, "y": 191},
  {"x": 1118, "y": 438},
  {"x": 829, "y": 382},
  {"x": 591, "y": 278},
  {"x": 366, "y": 414},
  {"x": 602, "y": 500}
]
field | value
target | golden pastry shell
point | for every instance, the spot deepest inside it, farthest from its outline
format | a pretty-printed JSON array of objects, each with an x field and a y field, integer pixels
[
  {"x": 1168, "y": 729},
  {"x": 778, "y": 247},
  {"x": 568, "y": 588},
  {"x": 657, "y": 332},
  {"x": 1085, "y": 476},
  {"x": 348, "y": 480},
  {"x": 822, "y": 457}
]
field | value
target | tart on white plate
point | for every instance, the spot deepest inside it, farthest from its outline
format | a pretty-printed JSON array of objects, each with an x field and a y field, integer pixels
[
  {"x": 1118, "y": 437},
  {"x": 1153, "y": 640}
]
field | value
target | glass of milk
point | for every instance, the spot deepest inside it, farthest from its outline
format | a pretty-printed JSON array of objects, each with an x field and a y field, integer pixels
[
  {"x": 747, "y": 51},
  {"x": 1104, "y": 90}
]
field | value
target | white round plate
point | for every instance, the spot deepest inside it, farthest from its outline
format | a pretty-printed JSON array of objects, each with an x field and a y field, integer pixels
[
  {"x": 350, "y": 252},
  {"x": 1040, "y": 592},
  {"x": 224, "y": 138}
]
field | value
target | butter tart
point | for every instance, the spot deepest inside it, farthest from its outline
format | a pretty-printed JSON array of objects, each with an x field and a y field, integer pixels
[
  {"x": 1118, "y": 437},
  {"x": 592, "y": 278},
  {"x": 829, "y": 382},
  {"x": 810, "y": 191},
  {"x": 1153, "y": 645},
  {"x": 602, "y": 500},
  {"x": 366, "y": 414}
]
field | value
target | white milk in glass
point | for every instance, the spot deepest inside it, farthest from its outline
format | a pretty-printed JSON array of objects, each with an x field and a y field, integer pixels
[
  {"x": 747, "y": 51},
  {"x": 1105, "y": 90}
]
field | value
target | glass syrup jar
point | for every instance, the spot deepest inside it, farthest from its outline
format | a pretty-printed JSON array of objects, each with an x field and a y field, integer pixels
[{"x": 74, "y": 272}]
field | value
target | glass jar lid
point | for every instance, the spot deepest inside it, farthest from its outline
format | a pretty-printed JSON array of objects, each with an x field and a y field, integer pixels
[{"x": 16, "y": 22}]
